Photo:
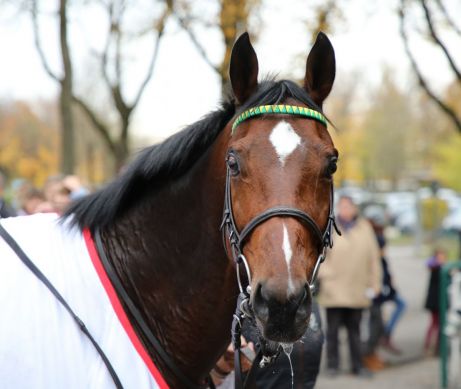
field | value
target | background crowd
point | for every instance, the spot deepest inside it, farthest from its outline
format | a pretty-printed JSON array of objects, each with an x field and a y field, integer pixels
[{"x": 23, "y": 198}]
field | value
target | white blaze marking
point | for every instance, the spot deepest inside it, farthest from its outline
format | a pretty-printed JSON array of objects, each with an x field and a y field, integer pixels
[
  {"x": 284, "y": 139},
  {"x": 288, "y": 254}
]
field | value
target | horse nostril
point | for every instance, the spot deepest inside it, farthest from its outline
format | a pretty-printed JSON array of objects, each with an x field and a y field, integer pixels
[
  {"x": 304, "y": 304},
  {"x": 260, "y": 306},
  {"x": 302, "y": 297}
]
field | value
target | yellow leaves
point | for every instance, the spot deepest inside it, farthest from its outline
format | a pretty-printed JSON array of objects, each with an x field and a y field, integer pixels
[
  {"x": 9, "y": 149},
  {"x": 433, "y": 211},
  {"x": 27, "y": 166},
  {"x": 28, "y": 146},
  {"x": 348, "y": 139},
  {"x": 350, "y": 158},
  {"x": 447, "y": 156},
  {"x": 447, "y": 165}
]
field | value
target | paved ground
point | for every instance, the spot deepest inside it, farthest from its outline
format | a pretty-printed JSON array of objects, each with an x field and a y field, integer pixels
[{"x": 411, "y": 369}]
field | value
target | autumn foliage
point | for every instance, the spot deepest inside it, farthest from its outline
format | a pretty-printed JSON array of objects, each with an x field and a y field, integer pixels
[{"x": 28, "y": 145}]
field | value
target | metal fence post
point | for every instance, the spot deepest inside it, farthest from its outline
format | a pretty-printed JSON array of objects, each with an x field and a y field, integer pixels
[
  {"x": 443, "y": 319},
  {"x": 445, "y": 279}
]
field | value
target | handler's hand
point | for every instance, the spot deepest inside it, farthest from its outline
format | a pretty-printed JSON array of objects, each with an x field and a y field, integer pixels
[{"x": 225, "y": 364}]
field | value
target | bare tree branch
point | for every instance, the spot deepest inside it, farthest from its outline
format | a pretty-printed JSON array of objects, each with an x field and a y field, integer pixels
[
  {"x": 105, "y": 51},
  {"x": 153, "y": 59},
  {"x": 422, "y": 82},
  {"x": 66, "y": 62},
  {"x": 100, "y": 127},
  {"x": 115, "y": 88},
  {"x": 185, "y": 25},
  {"x": 449, "y": 20},
  {"x": 114, "y": 33},
  {"x": 38, "y": 45},
  {"x": 438, "y": 41},
  {"x": 118, "y": 53},
  {"x": 112, "y": 74}
]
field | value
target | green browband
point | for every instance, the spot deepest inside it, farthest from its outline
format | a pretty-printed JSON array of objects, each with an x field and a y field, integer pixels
[{"x": 279, "y": 109}]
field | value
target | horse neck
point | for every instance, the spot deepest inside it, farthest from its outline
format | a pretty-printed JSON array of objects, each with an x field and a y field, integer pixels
[{"x": 169, "y": 256}]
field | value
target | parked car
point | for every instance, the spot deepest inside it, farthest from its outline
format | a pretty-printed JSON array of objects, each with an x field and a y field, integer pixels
[
  {"x": 399, "y": 204},
  {"x": 453, "y": 221},
  {"x": 358, "y": 195},
  {"x": 407, "y": 221}
]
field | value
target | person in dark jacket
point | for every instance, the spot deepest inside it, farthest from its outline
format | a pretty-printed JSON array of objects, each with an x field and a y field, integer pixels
[
  {"x": 390, "y": 294},
  {"x": 301, "y": 367},
  {"x": 5, "y": 209},
  {"x": 305, "y": 359},
  {"x": 432, "y": 300},
  {"x": 380, "y": 332}
]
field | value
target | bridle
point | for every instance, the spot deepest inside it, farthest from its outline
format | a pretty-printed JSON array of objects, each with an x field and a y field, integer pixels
[
  {"x": 234, "y": 240},
  {"x": 237, "y": 239}
]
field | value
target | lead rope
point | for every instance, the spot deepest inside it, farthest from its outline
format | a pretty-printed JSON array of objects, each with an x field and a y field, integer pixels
[
  {"x": 36, "y": 271},
  {"x": 236, "y": 341}
]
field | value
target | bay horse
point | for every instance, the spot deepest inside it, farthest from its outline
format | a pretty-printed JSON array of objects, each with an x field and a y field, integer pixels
[{"x": 154, "y": 235}]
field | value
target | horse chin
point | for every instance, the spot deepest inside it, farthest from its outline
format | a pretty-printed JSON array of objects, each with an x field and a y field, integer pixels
[
  {"x": 272, "y": 349},
  {"x": 276, "y": 335}
]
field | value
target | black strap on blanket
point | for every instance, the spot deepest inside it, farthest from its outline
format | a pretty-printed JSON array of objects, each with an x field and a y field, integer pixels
[
  {"x": 36, "y": 271},
  {"x": 139, "y": 319}
]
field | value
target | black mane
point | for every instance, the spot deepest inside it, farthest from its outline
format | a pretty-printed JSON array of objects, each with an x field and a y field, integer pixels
[{"x": 160, "y": 164}]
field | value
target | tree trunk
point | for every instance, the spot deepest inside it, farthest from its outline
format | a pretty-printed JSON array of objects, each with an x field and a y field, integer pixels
[
  {"x": 67, "y": 132},
  {"x": 233, "y": 21},
  {"x": 67, "y": 140},
  {"x": 122, "y": 147}
]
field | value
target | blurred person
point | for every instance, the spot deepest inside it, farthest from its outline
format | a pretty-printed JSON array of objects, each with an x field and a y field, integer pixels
[
  {"x": 380, "y": 333},
  {"x": 20, "y": 189},
  {"x": 304, "y": 360},
  {"x": 61, "y": 199},
  {"x": 52, "y": 184},
  {"x": 390, "y": 294},
  {"x": 57, "y": 194},
  {"x": 221, "y": 372},
  {"x": 371, "y": 359},
  {"x": 5, "y": 209},
  {"x": 32, "y": 201},
  {"x": 432, "y": 304},
  {"x": 349, "y": 279},
  {"x": 75, "y": 186}
]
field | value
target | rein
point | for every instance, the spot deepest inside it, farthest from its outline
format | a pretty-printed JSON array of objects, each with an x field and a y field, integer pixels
[{"x": 235, "y": 240}]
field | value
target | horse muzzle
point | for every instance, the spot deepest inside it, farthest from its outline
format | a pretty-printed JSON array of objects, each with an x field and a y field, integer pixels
[{"x": 283, "y": 320}]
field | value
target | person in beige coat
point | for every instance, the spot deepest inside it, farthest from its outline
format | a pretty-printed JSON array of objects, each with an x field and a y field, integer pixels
[{"x": 349, "y": 279}]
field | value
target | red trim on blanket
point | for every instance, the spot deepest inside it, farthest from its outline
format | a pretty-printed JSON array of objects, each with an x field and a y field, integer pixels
[{"x": 118, "y": 308}]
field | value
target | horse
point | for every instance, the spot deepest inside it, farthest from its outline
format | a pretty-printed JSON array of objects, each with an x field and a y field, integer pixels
[{"x": 157, "y": 240}]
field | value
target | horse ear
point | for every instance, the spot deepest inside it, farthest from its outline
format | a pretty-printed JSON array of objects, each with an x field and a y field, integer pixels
[
  {"x": 320, "y": 69},
  {"x": 243, "y": 70}
]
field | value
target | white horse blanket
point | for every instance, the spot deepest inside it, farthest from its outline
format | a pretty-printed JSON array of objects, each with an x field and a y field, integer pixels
[{"x": 40, "y": 344}]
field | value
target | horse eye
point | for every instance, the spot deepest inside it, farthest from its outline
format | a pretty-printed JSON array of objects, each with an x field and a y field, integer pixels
[
  {"x": 233, "y": 164},
  {"x": 332, "y": 166}
]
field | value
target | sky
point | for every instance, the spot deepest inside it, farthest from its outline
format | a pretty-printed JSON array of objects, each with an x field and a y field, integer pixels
[{"x": 183, "y": 87}]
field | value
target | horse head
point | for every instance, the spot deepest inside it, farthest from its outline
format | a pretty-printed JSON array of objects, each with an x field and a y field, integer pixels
[{"x": 280, "y": 163}]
